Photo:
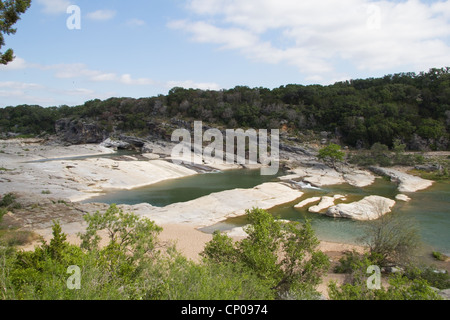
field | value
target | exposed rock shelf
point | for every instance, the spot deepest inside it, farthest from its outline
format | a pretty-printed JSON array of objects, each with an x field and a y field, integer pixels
[
  {"x": 406, "y": 182},
  {"x": 369, "y": 208}
]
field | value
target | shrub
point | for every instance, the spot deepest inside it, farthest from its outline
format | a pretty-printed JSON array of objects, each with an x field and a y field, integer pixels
[
  {"x": 392, "y": 240},
  {"x": 436, "y": 279},
  {"x": 7, "y": 200},
  {"x": 3, "y": 211},
  {"x": 283, "y": 255},
  {"x": 400, "y": 288},
  {"x": 439, "y": 256},
  {"x": 352, "y": 261}
]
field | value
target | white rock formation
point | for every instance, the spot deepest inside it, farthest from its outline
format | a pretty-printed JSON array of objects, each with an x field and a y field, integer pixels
[
  {"x": 216, "y": 207},
  {"x": 321, "y": 175},
  {"x": 325, "y": 203},
  {"x": 406, "y": 182},
  {"x": 369, "y": 208},
  {"x": 402, "y": 197},
  {"x": 306, "y": 202}
]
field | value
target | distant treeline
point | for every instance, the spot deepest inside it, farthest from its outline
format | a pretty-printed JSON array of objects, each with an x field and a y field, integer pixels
[{"x": 413, "y": 108}]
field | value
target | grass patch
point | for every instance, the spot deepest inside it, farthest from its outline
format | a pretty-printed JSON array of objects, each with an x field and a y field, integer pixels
[
  {"x": 12, "y": 238},
  {"x": 436, "y": 175},
  {"x": 7, "y": 200},
  {"x": 439, "y": 256},
  {"x": 3, "y": 211},
  {"x": 46, "y": 192}
]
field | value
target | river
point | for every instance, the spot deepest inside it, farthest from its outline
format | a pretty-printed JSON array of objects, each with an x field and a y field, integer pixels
[{"x": 429, "y": 209}]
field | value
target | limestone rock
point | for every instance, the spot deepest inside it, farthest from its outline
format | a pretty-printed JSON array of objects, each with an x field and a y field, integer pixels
[
  {"x": 115, "y": 144},
  {"x": 306, "y": 202},
  {"x": 76, "y": 131},
  {"x": 406, "y": 182},
  {"x": 370, "y": 208},
  {"x": 324, "y": 204},
  {"x": 402, "y": 197}
]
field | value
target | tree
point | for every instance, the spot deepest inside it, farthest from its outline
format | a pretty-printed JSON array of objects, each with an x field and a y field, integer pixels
[
  {"x": 392, "y": 240},
  {"x": 129, "y": 235},
  {"x": 380, "y": 154},
  {"x": 283, "y": 255},
  {"x": 10, "y": 11},
  {"x": 331, "y": 154}
]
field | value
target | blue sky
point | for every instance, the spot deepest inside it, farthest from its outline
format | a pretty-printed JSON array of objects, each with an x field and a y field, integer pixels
[{"x": 144, "y": 48}]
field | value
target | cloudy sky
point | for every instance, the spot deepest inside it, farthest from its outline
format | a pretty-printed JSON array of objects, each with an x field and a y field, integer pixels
[{"x": 143, "y": 48}]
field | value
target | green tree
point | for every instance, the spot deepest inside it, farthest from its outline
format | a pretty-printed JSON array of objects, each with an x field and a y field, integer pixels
[
  {"x": 331, "y": 154},
  {"x": 10, "y": 11},
  {"x": 130, "y": 238},
  {"x": 380, "y": 154},
  {"x": 283, "y": 255},
  {"x": 392, "y": 240}
]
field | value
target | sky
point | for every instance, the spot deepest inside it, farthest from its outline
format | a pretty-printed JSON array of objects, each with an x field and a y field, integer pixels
[{"x": 143, "y": 48}]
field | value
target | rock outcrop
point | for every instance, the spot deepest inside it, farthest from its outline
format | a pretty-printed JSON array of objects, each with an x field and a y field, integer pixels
[
  {"x": 369, "y": 208},
  {"x": 306, "y": 202},
  {"x": 77, "y": 131},
  {"x": 325, "y": 203},
  {"x": 320, "y": 175},
  {"x": 406, "y": 182},
  {"x": 402, "y": 197}
]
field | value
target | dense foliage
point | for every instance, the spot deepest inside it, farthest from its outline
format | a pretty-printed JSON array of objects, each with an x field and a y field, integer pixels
[
  {"x": 282, "y": 255},
  {"x": 412, "y": 109},
  {"x": 120, "y": 257}
]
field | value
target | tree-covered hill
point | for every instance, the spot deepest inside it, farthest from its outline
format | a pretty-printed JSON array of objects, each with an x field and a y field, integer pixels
[{"x": 412, "y": 108}]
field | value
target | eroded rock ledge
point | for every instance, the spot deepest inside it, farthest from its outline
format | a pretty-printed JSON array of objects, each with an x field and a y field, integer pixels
[
  {"x": 406, "y": 182},
  {"x": 369, "y": 208}
]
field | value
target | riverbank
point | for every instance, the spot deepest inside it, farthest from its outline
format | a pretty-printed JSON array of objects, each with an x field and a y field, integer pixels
[
  {"x": 50, "y": 188},
  {"x": 67, "y": 173},
  {"x": 48, "y": 170}
]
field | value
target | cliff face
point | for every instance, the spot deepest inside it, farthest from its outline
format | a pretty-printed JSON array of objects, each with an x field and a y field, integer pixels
[{"x": 79, "y": 131}]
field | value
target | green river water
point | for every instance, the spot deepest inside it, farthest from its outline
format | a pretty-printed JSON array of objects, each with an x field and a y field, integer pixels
[{"x": 430, "y": 209}]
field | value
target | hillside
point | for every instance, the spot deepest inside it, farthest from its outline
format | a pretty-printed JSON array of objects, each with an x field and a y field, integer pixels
[{"x": 412, "y": 108}]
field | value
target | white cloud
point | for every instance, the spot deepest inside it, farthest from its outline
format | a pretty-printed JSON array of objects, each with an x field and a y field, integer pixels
[
  {"x": 127, "y": 79},
  {"x": 136, "y": 23},
  {"x": 54, "y": 6},
  {"x": 101, "y": 15},
  {"x": 75, "y": 83},
  {"x": 16, "y": 64},
  {"x": 19, "y": 85},
  {"x": 313, "y": 35}
]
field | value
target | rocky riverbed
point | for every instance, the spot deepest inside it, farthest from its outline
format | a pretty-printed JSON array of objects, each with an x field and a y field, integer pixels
[{"x": 44, "y": 172}]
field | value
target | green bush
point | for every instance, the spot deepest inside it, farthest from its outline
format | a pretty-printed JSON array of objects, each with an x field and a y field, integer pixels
[
  {"x": 3, "y": 211},
  {"x": 7, "y": 200},
  {"x": 434, "y": 278},
  {"x": 439, "y": 256},
  {"x": 400, "y": 288},
  {"x": 295, "y": 274},
  {"x": 352, "y": 261}
]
